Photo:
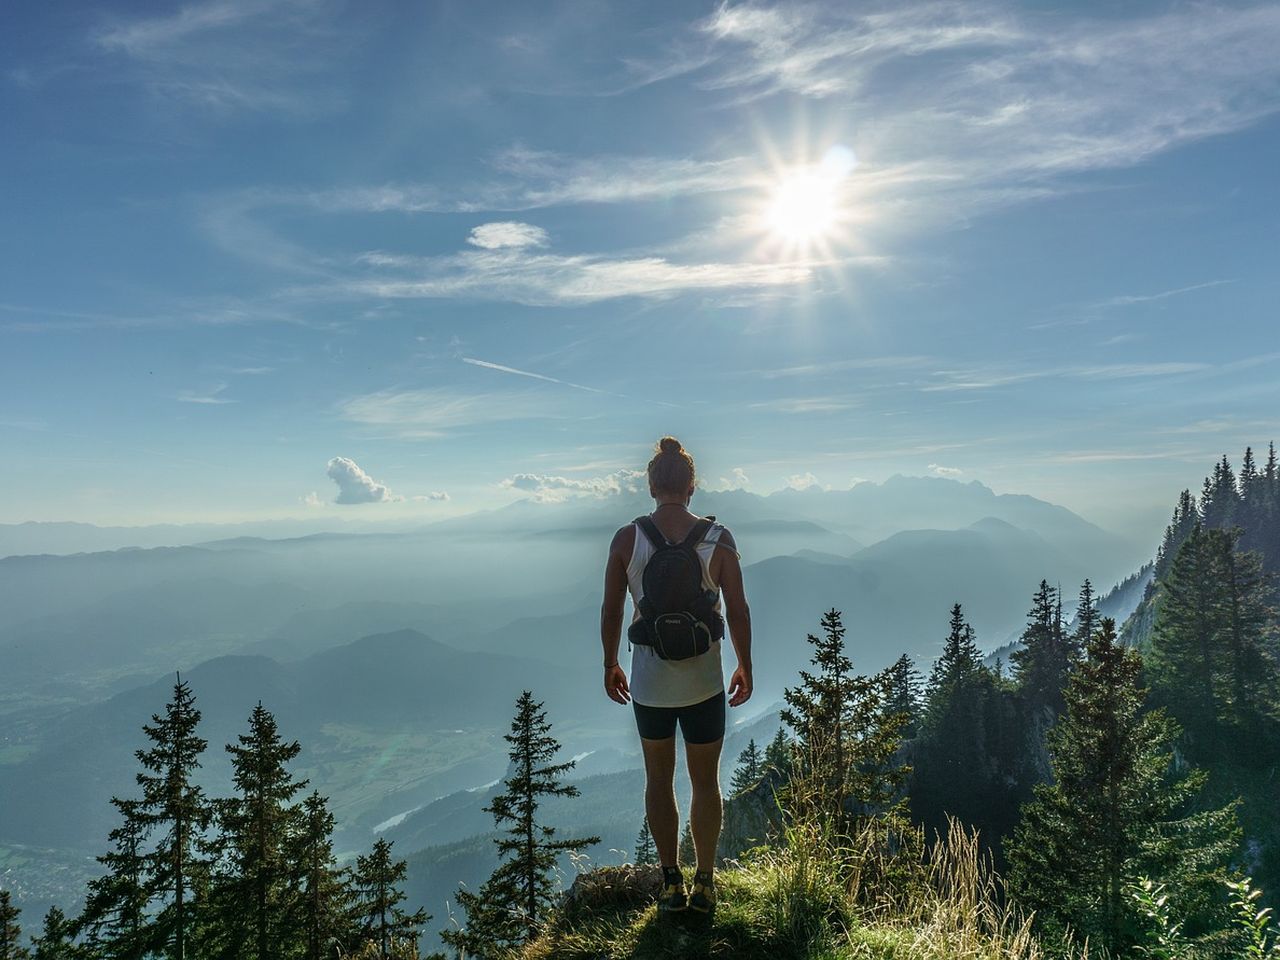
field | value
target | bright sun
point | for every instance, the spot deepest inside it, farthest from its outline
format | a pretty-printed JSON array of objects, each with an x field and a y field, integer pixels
[{"x": 806, "y": 204}]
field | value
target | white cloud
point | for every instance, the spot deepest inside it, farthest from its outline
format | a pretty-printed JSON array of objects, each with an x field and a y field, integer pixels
[
  {"x": 418, "y": 414},
  {"x": 493, "y": 236},
  {"x": 805, "y": 404},
  {"x": 520, "y": 275},
  {"x": 940, "y": 471},
  {"x": 313, "y": 500},
  {"x": 210, "y": 396},
  {"x": 356, "y": 486},
  {"x": 434, "y": 495},
  {"x": 232, "y": 55},
  {"x": 803, "y": 481},
  {"x": 553, "y": 488},
  {"x": 737, "y": 480}
]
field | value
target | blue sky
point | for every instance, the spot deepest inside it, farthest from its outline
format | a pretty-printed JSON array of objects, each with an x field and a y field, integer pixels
[{"x": 479, "y": 250}]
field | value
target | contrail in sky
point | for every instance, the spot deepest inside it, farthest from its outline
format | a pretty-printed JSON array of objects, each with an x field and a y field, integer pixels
[{"x": 502, "y": 368}]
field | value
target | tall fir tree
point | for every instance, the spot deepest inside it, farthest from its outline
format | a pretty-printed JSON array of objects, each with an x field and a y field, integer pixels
[
  {"x": 176, "y": 814},
  {"x": 376, "y": 882},
  {"x": 777, "y": 755},
  {"x": 56, "y": 940},
  {"x": 749, "y": 770},
  {"x": 685, "y": 851},
  {"x": 10, "y": 932},
  {"x": 1043, "y": 661},
  {"x": 510, "y": 907},
  {"x": 257, "y": 891},
  {"x": 646, "y": 850},
  {"x": 1248, "y": 616},
  {"x": 114, "y": 921},
  {"x": 1087, "y": 619},
  {"x": 324, "y": 900},
  {"x": 1115, "y": 810},
  {"x": 906, "y": 693},
  {"x": 847, "y": 743},
  {"x": 955, "y": 767}
]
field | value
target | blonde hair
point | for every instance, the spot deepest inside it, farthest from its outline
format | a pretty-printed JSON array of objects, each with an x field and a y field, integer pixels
[{"x": 671, "y": 470}]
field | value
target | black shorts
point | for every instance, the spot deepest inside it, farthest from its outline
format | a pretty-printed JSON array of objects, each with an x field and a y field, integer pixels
[{"x": 700, "y": 722}]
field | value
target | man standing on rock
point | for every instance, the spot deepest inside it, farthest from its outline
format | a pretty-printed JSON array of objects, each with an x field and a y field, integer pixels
[{"x": 676, "y": 565}]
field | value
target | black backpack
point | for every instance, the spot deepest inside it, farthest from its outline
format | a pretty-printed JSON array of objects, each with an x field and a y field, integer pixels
[{"x": 678, "y": 617}]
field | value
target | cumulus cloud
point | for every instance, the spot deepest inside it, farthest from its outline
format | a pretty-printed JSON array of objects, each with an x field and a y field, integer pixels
[
  {"x": 507, "y": 233},
  {"x": 356, "y": 486},
  {"x": 552, "y": 488},
  {"x": 737, "y": 480},
  {"x": 312, "y": 499},
  {"x": 803, "y": 481},
  {"x": 939, "y": 470}
]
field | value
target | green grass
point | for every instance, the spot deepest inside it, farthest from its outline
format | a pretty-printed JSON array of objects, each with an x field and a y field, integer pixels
[{"x": 790, "y": 904}]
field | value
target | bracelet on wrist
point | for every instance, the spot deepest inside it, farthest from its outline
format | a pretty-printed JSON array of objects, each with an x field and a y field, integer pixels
[{"x": 610, "y": 666}]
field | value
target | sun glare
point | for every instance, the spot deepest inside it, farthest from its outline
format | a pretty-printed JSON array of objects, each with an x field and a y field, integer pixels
[{"x": 805, "y": 207}]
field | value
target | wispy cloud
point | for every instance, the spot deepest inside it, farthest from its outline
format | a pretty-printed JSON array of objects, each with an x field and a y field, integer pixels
[
  {"x": 211, "y": 396},
  {"x": 938, "y": 470},
  {"x": 433, "y": 412},
  {"x": 233, "y": 55},
  {"x": 1126, "y": 300},
  {"x": 806, "y": 404},
  {"x": 507, "y": 233}
]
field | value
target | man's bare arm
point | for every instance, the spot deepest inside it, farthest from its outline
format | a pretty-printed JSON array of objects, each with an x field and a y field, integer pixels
[
  {"x": 611, "y": 614},
  {"x": 738, "y": 616}
]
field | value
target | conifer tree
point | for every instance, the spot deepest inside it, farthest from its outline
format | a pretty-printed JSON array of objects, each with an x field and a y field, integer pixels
[
  {"x": 176, "y": 815},
  {"x": 685, "y": 851},
  {"x": 954, "y": 767},
  {"x": 376, "y": 883},
  {"x": 777, "y": 755},
  {"x": 510, "y": 907},
  {"x": 905, "y": 685},
  {"x": 1247, "y": 616},
  {"x": 257, "y": 893},
  {"x": 749, "y": 770},
  {"x": 847, "y": 743},
  {"x": 1042, "y": 663},
  {"x": 646, "y": 850},
  {"x": 56, "y": 940},
  {"x": 114, "y": 919},
  {"x": 1114, "y": 811},
  {"x": 324, "y": 908},
  {"x": 1087, "y": 619},
  {"x": 1220, "y": 498},
  {"x": 10, "y": 931}
]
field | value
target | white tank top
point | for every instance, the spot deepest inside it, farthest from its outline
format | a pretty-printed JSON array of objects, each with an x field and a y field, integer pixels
[{"x": 673, "y": 683}]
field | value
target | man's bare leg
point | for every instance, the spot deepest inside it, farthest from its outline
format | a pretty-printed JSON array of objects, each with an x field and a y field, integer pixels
[
  {"x": 706, "y": 809},
  {"x": 660, "y": 797}
]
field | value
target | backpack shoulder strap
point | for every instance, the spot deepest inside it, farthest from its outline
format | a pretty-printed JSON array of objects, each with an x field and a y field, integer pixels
[
  {"x": 650, "y": 530},
  {"x": 699, "y": 532}
]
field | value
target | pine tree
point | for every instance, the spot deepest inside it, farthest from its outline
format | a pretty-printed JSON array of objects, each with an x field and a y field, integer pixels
[
  {"x": 1247, "y": 616},
  {"x": 376, "y": 882},
  {"x": 686, "y": 853},
  {"x": 1114, "y": 811},
  {"x": 56, "y": 940},
  {"x": 511, "y": 906},
  {"x": 1087, "y": 619},
  {"x": 954, "y": 769},
  {"x": 847, "y": 743},
  {"x": 173, "y": 806},
  {"x": 749, "y": 770},
  {"x": 1042, "y": 663},
  {"x": 646, "y": 851},
  {"x": 324, "y": 908},
  {"x": 114, "y": 919},
  {"x": 905, "y": 684},
  {"x": 10, "y": 932},
  {"x": 777, "y": 755},
  {"x": 256, "y": 894}
]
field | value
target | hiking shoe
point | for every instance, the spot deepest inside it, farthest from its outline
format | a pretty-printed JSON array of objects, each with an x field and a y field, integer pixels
[
  {"x": 703, "y": 897},
  {"x": 673, "y": 898}
]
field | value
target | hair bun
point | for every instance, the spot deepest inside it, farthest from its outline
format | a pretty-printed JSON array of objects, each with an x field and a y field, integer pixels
[{"x": 669, "y": 445}]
